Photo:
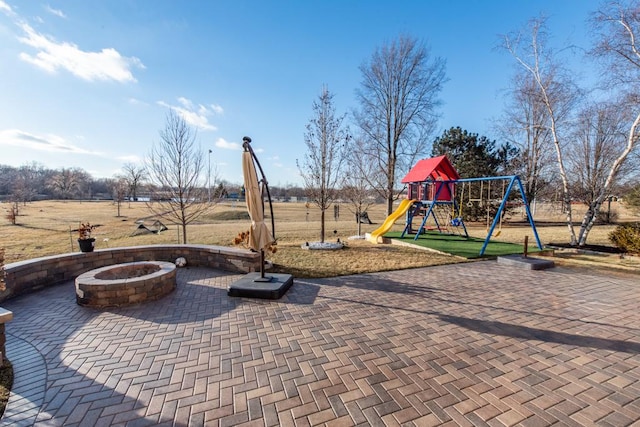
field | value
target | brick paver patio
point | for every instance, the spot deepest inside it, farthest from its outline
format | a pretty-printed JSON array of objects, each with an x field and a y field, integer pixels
[{"x": 468, "y": 344}]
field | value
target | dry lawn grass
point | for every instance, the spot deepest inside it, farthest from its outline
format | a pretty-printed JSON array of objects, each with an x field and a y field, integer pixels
[{"x": 47, "y": 228}]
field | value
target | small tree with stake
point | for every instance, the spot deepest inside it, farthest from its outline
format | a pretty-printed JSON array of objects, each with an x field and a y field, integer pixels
[
  {"x": 326, "y": 140},
  {"x": 175, "y": 167}
]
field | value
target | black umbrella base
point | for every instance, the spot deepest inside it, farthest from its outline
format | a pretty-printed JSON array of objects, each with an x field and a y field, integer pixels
[{"x": 253, "y": 286}]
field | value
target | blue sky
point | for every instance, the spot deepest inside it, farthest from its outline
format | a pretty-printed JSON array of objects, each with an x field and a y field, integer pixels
[{"x": 88, "y": 83}]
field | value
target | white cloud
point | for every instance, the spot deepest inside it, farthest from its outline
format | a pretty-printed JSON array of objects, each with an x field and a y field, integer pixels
[
  {"x": 225, "y": 145},
  {"x": 51, "y": 56},
  {"x": 195, "y": 115},
  {"x": 185, "y": 102},
  {"x": 134, "y": 101},
  {"x": 56, "y": 12},
  {"x": 217, "y": 109},
  {"x": 6, "y": 9},
  {"x": 51, "y": 143},
  {"x": 131, "y": 158}
]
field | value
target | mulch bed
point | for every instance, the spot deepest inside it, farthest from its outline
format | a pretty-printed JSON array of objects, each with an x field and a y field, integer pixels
[{"x": 593, "y": 248}]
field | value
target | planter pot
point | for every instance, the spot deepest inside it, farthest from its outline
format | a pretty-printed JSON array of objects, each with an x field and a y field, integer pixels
[{"x": 87, "y": 245}]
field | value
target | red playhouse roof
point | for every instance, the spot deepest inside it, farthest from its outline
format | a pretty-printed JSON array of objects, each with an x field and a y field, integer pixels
[{"x": 435, "y": 168}]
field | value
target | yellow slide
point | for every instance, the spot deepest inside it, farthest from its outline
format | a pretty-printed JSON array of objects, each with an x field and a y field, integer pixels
[{"x": 391, "y": 219}]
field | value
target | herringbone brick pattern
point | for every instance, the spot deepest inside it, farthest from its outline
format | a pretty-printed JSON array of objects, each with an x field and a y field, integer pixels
[{"x": 467, "y": 345}]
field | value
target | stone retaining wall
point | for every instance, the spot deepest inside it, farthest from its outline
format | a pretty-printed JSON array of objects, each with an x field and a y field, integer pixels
[{"x": 30, "y": 275}]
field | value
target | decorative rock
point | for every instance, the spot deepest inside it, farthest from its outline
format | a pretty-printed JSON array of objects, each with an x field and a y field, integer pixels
[{"x": 322, "y": 246}]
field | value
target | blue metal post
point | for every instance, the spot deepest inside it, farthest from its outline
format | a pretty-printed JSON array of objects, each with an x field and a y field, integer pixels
[
  {"x": 495, "y": 220},
  {"x": 429, "y": 212},
  {"x": 410, "y": 214},
  {"x": 529, "y": 216}
]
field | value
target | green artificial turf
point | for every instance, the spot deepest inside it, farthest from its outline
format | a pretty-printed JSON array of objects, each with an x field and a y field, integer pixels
[{"x": 461, "y": 246}]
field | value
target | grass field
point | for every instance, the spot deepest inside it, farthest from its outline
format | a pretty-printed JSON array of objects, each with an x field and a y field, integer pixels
[{"x": 47, "y": 228}]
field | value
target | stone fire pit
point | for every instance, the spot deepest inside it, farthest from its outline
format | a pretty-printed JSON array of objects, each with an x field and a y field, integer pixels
[{"x": 125, "y": 284}]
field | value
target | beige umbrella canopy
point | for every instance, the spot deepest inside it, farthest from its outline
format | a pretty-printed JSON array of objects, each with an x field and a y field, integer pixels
[
  {"x": 259, "y": 235},
  {"x": 260, "y": 238}
]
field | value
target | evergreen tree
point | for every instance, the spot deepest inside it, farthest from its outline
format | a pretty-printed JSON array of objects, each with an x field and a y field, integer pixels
[{"x": 474, "y": 156}]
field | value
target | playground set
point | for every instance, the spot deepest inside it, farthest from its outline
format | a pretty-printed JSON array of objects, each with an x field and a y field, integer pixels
[{"x": 438, "y": 196}]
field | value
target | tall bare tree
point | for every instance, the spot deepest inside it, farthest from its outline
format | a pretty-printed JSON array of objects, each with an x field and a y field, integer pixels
[
  {"x": 599, "y": 136},
  {"x": 135, "y": 176},
  {"x": 556, "y": 89},
  {"x": 326, "y": 140},
  {"x": 398, "y": 97},
  {"x": 175, "y": 167},
  {"x": 525, "y": 125},
  {"x": 618, "y": 28}
]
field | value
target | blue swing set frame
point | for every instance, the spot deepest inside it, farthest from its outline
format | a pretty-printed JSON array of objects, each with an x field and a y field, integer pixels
[{"x": 513, "y": 180}]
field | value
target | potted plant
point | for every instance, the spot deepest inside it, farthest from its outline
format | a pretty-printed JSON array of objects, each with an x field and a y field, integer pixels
[{"x": 86, "y": 242}]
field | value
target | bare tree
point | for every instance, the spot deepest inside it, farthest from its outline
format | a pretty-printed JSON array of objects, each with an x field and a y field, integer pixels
[
  {"x": 120, "y": 187},
  {"x": 69, "y": 182},
  {"x": 599, "y": 136},
  {"x": 326, "y": 140},
  {"x": 355, "y": 186},
  {"x": 135, "y": 176},
  {"x": 27, "y": 181},
  {"x": 525, "y": 124},
  {"x": 397, "y": 114},
  {"x": 556, "y": 90},
  {"x": 175, "y": 167},
  {"x": 618, "y": 28}
]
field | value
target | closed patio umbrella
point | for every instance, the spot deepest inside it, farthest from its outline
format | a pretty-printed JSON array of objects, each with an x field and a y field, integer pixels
[
  {"x": 259, "y": 235},
  {"x": 260, "y": 238}
]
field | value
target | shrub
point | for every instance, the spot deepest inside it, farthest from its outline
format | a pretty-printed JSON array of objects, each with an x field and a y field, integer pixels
[
  {"x": 627, "y": 237},
  {"x": 12, "y": 215}
]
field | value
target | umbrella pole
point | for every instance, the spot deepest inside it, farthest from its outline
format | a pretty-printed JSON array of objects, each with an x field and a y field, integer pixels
[{"x": 262, "y": 277}]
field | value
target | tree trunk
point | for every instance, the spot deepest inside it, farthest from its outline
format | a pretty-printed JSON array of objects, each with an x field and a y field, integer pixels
[
  {"x": 184, "y": 233},
  {"x": 321, "y": 225},
  {"x": 592, "y": 213},
  {"x": 566, "y": 195},
  {"x": 390, "y": 204}
]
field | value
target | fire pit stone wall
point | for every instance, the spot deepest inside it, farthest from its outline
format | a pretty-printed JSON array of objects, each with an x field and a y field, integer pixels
[
  {"x": 34, "y": 274},
  {"x": 125, "y": 284}
]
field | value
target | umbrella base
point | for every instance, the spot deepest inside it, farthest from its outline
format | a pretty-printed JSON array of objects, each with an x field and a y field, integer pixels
[{"x": 273, "y": 286}]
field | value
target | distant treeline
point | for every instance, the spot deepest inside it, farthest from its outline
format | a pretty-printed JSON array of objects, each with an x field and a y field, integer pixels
[{"x": 35, "y": 182}]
